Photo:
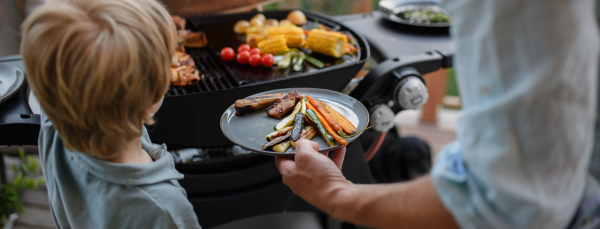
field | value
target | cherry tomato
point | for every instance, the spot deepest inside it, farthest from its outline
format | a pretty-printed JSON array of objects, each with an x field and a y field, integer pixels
[
  {"x": 243, "y": 47},
  {"x": 267, "y": 60},
  {"x": 242, "y": 57},
  {"x": 254, "y": 51},
  {"x": 254, "y": 60},
  {"x": 227, "y": 54}
]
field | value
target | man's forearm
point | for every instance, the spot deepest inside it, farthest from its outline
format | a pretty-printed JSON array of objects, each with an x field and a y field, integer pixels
[{"x": 412, "y": 204}]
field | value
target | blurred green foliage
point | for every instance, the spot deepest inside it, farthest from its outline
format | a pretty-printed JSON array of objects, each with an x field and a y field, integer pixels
[
  {"x": 451, "y": 86},
  {"x": 9, "y": 192}
]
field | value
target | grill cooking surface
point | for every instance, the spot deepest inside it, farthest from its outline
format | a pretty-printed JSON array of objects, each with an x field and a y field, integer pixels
[
  {"x": 220, "y": 75},
  {"x": 212, "y": 77}
]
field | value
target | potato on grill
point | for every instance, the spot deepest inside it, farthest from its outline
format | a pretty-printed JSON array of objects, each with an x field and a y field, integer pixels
[
  {"x": 273, "y": 45},
  {"x": 328, "y": 43},
  {"x": 294, "y": 35}
]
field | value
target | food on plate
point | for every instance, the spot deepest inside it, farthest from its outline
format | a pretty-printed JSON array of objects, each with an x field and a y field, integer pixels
[
  {"x": 278, "y": 133},
  {"x": 284, "y": 105},
  {"x": 273, "y": 45},
  {"x": 297, "y": 17},
  {"x": 282, "y": 147},
  {"x": 242, "y": 57},
  {"x": 424, "y": 14},
  {"x": 267, "y": 60},
  {"x": 183, "y": 70},
  {"x": 227, "y": 54},
  {"x": 254, "y": 60},
  {"x": 298, "y": 124},
  {"x": 304, "y": 122},
  {"x": 327, "y": 42},
  {"x": 287, "y": 121},
  {"x": 327, "y": 125},
  {"x": 294, "y": 36},
  {"x": 250, "y": 104},
  {"x": 241, "y": 26},
  {"x": 307, "y": 133},
  {"x": 276, "y": 140},
  {"x": 312, "y": 116},
  {"x": 191, "y": 39},
  {"x": 323, "y": 112},
  {"x": 346, "y": 125},
  {"x": 179, "y": 22},
  {"x": 298, "y": 61}
]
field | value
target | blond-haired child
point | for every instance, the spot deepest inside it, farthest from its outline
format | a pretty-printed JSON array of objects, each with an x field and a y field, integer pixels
[{"x": 100, "y": 69}]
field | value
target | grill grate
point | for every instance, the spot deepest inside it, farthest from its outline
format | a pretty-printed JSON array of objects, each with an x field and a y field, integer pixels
[{"x": 212, "y": 76}]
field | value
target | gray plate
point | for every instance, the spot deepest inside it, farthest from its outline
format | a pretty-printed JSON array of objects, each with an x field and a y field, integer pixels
[
  {"x": 249, "y": 131},
  {"x": 11, "y": 78}
]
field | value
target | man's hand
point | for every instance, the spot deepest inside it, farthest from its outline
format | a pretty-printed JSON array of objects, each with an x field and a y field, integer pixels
[{"x": 312, "y": 175}]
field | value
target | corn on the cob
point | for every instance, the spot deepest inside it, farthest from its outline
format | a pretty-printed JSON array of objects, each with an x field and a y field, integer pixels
[
  {"x": 327, "y": 42},
  {"x": 274, "y": 45},
  {"x": 294, "y": 35}
]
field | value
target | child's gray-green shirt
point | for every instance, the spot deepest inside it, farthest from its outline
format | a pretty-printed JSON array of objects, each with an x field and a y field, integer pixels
[{"x": 85, "y": 192}]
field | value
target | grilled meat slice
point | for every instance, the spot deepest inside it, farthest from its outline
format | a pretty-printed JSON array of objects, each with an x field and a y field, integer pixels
[
  {"x": 179, "y": 22},
  {"x": 191, "y": 39},
  {"x": 250, "y": 104},
  {"x": 184, "y": 76},
  {"x": 284, "y": 105}
]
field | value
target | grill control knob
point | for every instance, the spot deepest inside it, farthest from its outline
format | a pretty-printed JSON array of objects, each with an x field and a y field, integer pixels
[
  {"x": 382, "y": 118},
  {"x": 411, "y": 93}
]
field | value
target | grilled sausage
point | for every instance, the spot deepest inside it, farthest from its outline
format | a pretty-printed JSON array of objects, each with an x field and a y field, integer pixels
[{"x": 250, "y": 104}]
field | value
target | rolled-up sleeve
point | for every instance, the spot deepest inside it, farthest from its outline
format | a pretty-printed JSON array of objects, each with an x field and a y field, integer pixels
[{"x": 527, "y": 72}]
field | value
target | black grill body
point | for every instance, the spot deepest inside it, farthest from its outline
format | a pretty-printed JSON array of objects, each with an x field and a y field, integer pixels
[{"x": 189, "y": 116}]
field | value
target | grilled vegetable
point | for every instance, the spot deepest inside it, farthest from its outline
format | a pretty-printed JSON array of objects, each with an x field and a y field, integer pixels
[
  {"x": 282, "y": 147},
  {"x": 297, "y": 17},
  {"x": 307, "y": 133},
  {"x": 241, "y": 26},
  {"x": 303, "y": 110},
  {"x": 314, "y": 61},
  {"x": 247, "y": 105},
  {"x": 328, "y": 127},
  {"x": 276, "y": 141},
  {"x": 294, "y": 36},
  {"x": 298, "y": 123},
  {"x": 346, "y": 125},
  {"x": 287, "y": 121},
  {"x": 312, "y": 116},
  {"x": 286, "y": 61},
  {"x": 328, "y": 43},
  {"x": 298, "y": 64},
  {"x": 273, "y": 45},
  {"x": 278, "y": 133},
  {"x": 330, "y": 120}
]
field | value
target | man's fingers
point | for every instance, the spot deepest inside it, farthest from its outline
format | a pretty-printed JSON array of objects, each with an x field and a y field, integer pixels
[
  {"x": 338, "y": 156},
  {"x": 284, "y": 164}
]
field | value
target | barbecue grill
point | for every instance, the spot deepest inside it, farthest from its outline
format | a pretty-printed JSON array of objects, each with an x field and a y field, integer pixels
[
  {"x": 193, "y": 112},
  {"x": 229, "y": 187}
]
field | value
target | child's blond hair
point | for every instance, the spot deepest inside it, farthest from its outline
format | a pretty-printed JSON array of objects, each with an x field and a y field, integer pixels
[{"x": 96, "y": 67}]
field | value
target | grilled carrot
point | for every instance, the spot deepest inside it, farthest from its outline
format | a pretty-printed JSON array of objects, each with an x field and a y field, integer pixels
[
  {"x": 346, "y": 125},
  {"x": 327, "y": 117},
  {"x": 328, "y": 127}
]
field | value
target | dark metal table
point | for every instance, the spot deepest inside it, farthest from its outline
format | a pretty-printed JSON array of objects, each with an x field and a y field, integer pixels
[{"x": 389, "y": 40}]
